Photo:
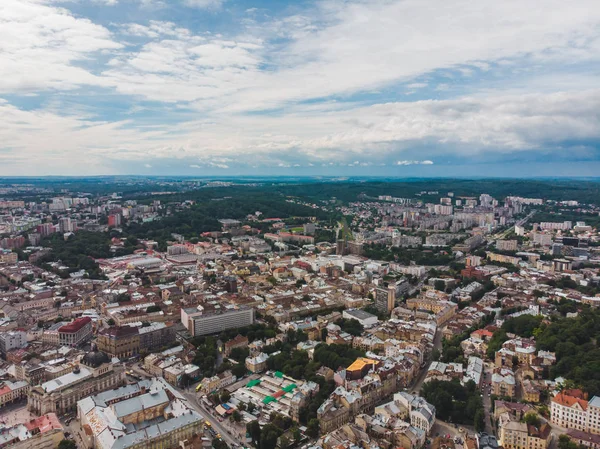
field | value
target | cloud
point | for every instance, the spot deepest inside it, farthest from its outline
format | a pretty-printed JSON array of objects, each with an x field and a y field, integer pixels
[
  {"x": 426, "y": 162},
  {"x": 45, "y": 45},
  {"x": 400, "y": 133},
  {"x": 306, "y": 87},
  {"x": 204, "y": 4}
]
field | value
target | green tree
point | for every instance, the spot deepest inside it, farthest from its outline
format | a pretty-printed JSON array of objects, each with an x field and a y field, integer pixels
[
  {"x": 218, "y": 443},
  {"x": 479, "y": 420},
  {"x": 225, "y": 396},
  {"x": 67, "y": 444},
  {"x": 253, "y": 429},
  {"x": 312, "y": 430}
]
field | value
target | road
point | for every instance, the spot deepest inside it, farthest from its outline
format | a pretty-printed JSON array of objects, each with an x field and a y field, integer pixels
[
  {"x": 487, "y": 400},
  {"x": 226, "y": 435},
  {"x": 521, "y": 222},
  {"x": 437, "y": 344}
]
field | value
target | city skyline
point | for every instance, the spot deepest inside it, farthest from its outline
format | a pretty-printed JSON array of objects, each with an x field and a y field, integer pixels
[{"x": 322, "y": 88}]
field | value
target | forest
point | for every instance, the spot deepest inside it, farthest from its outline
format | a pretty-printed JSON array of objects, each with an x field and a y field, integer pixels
[{"x": 575, "y": 342}]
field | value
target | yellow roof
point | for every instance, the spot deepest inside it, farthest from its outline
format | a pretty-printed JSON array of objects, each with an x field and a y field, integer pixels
[{"x": 360, "y": 363}]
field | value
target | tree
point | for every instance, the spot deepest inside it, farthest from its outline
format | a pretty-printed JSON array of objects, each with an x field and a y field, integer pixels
[
  {"x": 439, "y": 285},
  {"x": 312, "y": 430},
  {"x": 251, "y": 407},
  {"x": 239, "y": 370},
  {"x": 269, "y": 435},
  {"x": 236, "y": 416},
  {"x": 67, "y": 444},
  {"x": 253, "y": 429},
  {"x": 218, "y": 443},
  {"x": 479, "y": 420},
  {"x": 435, "y": 354},
  {"x": 111, "y": 322},
  {"x": 152, "y": 309},
  {"x": 225, "y": 396},
  {"x": 532, "y": 418}
]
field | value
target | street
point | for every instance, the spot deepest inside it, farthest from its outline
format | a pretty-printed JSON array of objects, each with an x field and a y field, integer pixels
[
  {"x": 437, "y": 344},
  {"x": 487, "y": 400},
  {"x": 226, "y": 435}
]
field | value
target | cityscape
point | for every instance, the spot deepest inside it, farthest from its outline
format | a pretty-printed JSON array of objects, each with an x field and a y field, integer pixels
[
  {"x": 312, "y": 314},
  {"x": 307, "y": 224}
]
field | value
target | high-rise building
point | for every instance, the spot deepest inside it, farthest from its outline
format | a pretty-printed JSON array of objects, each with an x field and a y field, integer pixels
[
  {"x": 385, "y": 299},
  {"x": 114, "y": 220}
]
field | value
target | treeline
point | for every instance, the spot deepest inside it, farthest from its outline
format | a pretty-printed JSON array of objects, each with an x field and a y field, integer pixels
[
  {"x": 456, "y": 403},
  {"x": 575, "y": 342},
  {"x": 525, "y": 326},
  {"x": 405, "y": 256},
  {"x": 79, "y": 251}
]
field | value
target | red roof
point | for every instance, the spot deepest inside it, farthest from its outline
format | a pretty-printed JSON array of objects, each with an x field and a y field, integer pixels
[
  {"x": 569, "y": 401},
  {"x": 75, "y": 325}
]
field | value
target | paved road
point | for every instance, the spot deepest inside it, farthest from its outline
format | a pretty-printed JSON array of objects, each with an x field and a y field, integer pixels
[
  {"x": 521, "y": 222},
  {"x": 487, "y": 400},
  {"x": 437, "y": 344},
  {"x": 226, "y": 435}
]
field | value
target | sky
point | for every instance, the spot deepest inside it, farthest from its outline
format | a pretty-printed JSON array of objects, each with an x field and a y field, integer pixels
[{"x": 320, "y": 87}]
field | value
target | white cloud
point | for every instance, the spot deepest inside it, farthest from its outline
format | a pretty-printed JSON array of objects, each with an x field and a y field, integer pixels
[
  {"x": 359, "y": 137},
  {"x": 204, "y": 4},
  {"x": 41, "y": 46},
  {"x": 426, "y": 162}
]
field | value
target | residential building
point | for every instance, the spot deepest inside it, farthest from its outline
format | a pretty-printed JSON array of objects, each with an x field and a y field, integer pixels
[
  {"x": 44, "y": 432},
  {"x": 12, "y": 391},
  {"x": 76, "y": 332},
  {"x": 12, "y": 340}
]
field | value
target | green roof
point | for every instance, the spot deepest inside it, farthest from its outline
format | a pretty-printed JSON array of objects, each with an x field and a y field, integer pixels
[
  {"x": 253, "y": 383},
  {"x": 269, "y": 399},
  {"x": 278, "y": 374},
  {"x": 289, "y": 388}
]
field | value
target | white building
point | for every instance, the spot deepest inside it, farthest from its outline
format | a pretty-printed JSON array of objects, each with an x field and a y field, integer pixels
[{"x": 12, "y": 340}]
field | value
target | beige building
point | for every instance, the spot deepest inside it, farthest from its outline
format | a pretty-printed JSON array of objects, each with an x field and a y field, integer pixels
[
  {"x": 12, "y": 391},
  {"x": 44, "y": 432},
  {"x": 96, "y": 373}
]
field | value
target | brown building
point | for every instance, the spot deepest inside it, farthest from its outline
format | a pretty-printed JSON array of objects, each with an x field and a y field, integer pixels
[{"x": 119, "y": 341}]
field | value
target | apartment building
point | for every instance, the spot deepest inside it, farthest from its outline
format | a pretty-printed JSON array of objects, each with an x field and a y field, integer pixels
[
  {"x": 572, "y": 410},
  {"x": 76, "y": 332}
]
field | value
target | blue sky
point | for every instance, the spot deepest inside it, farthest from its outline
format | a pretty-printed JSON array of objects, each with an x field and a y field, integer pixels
[{"x": 329, "y": 87}]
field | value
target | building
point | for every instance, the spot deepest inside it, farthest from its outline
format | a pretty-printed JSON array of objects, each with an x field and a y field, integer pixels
[
  {"x": 12, "y": 340},
  {"x": 128, "y": 341},
  {"x": 76, "y": 332},
  {"x": 150, "y": 414},
  {"x": 365, "y": 318},
  {"x": 503, "y": 382},
  {"x": 421, "y": 412},
  {"x": 217, "y": 382},
  {"x": 65, "y": 224},
  {"x": 44, "y": 432},
  {"x": 385, "y": 299},
  {"x": 197, "y": 322},
  {"x": 238, "y": 342},
  {"x": 572, "y": 410},
  {"x": 8, "y": 257},
  {"x": 520, "y": 435},
  {"x": 506, "y": 245},
  {"x": 257, "y": 363},
  {"x": 119, "y": 341},
  {"x": 12, "y": 391},
  {"x": 114, "y": 220},
  {"x": 95, "y": 373}
]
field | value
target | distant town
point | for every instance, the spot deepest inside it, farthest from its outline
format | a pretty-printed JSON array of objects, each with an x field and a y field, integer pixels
[{"x": 165, "y": 313}]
